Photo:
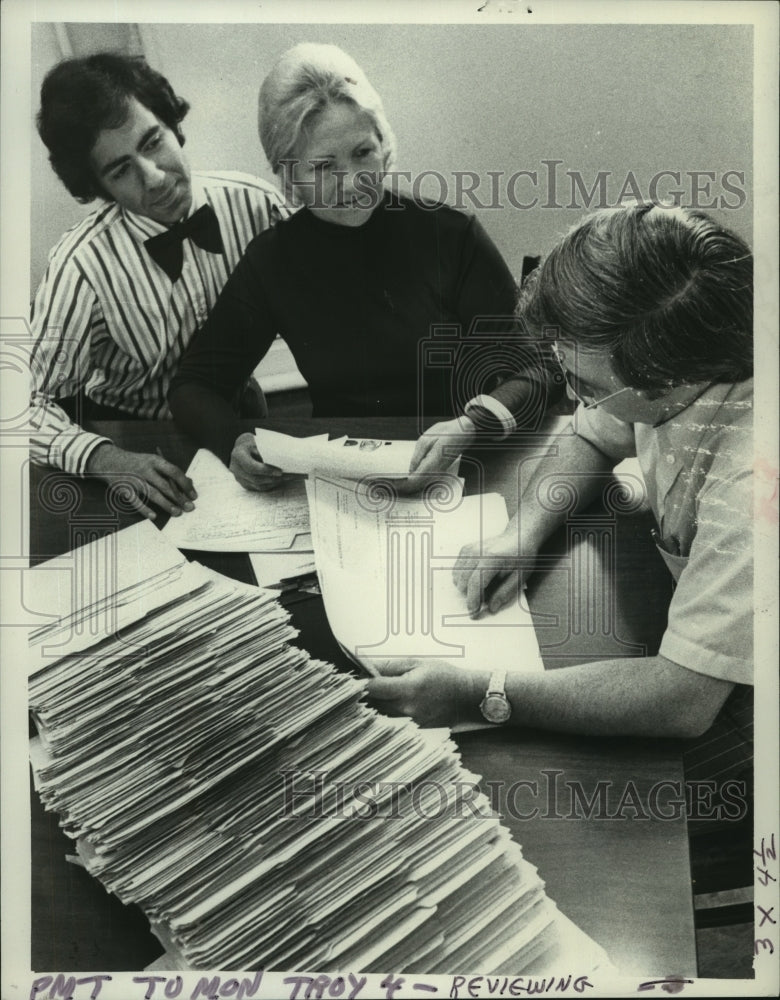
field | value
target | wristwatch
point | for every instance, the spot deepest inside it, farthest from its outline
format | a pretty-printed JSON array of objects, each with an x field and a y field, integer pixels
[{"x": 495, "y": 706}]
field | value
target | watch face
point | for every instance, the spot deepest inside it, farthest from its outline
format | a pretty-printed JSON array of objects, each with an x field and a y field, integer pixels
[{"x": 496, "y": 708}]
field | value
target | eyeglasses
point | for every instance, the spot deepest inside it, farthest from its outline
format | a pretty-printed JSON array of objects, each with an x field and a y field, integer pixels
[{"x": 587, "y": 402}]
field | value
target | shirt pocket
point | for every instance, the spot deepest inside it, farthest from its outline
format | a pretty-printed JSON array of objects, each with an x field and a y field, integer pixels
[{"x": 675, "y": 564}]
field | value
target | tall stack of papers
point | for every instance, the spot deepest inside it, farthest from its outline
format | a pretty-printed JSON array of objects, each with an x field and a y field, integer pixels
[{"x": 242, "y": 795}]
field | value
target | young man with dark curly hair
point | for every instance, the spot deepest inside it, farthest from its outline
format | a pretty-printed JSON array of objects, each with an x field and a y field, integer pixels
[{"x": 126, "y": 288}]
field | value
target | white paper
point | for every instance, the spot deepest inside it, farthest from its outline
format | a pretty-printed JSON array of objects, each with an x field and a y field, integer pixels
[
  {"x": 271, "y": 567},
  {"x": 351, "y": 458},
  {"x": 228, "y": 518},
  {"x": 386, "y": 579}
]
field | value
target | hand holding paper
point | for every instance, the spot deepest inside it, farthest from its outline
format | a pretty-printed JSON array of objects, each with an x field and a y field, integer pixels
[
  {"x": 386, "y": 569},
  {"x": 146, "y": 479},
  {"x": 436, "y": 450},
  {"x": 249, "y": 469},
  {"x": 429, "y": 691}
]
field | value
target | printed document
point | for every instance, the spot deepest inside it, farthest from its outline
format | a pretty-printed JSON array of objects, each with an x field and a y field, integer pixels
[
  {"x": 385, "y": 567},
  {"x": 228, "y": 518}
]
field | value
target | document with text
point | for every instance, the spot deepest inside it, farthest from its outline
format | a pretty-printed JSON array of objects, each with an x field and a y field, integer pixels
[
  {"x": 228, "y": 518},
  {"x": 385, "y": 567}
]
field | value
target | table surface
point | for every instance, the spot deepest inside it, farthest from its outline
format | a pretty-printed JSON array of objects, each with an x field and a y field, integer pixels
[{"x": 601, "y": 590}]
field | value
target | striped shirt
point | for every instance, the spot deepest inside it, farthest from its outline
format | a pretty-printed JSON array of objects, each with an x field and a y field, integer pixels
[{"x": 107, "y": 320}]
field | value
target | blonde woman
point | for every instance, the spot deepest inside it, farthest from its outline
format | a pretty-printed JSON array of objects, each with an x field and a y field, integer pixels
[{"x": 353, "y": 281}]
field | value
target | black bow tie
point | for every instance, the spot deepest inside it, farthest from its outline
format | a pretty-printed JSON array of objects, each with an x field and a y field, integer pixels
[{"x": 202, "y": 228}]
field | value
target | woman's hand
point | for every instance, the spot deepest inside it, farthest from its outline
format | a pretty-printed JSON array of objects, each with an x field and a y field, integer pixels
[
  {"x": 250, "y": 470},
  {"x": 436, "y": 450},
  {"x": 432, "y": 692},
  {"x": 145, "y": 479},
  {"x": 489, "y": 573}
]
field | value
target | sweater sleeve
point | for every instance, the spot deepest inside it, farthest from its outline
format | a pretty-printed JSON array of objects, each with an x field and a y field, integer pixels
[
  {"x": 499, "y": 359},
  {"x": 222, "y": 355}
]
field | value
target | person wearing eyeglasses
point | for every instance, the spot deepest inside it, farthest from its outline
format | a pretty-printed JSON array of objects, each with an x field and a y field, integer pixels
[
  {"x": 577, "y": 390},
  {"x": 650, "y": 313}
]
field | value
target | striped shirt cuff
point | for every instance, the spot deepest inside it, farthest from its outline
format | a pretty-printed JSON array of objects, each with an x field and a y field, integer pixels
[
  {"x": 71, "y": 450},
  {"x": 504, "y": 421}
]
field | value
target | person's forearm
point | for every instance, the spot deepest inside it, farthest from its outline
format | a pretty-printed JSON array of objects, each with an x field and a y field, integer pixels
[
  {"x": 104, "y": 459},
  {"x": 209, "y": 419},
  {"x": 643, "y": 696},
  {"x": 219, "y": 359},
  {"x": 570, "y": 464}
]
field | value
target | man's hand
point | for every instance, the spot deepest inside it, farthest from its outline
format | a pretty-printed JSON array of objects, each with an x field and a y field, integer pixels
[
  {"x": 150, "y": 479},
  {"x": 250, "y": 470},
  {"x": 432, "y": 692},
  {"x": 489, "y": 572},
  {"x": 436, "y": 450}
]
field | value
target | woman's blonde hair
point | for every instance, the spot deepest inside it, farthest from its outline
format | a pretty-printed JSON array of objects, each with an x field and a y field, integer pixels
[{"x": 305, "y": 80}]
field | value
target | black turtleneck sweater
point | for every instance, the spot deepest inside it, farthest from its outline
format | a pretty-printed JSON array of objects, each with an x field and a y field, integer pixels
[{"x": 356, "y": 307}]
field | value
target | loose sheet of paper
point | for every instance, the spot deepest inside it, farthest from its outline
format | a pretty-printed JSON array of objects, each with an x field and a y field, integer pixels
[
  {"x": 272, "y": 567},
  {"x": 351, "y": 458},
  {"x": 386, "y": 577},
  {"x": 228, "y": 518},
  {"x": 86, "y": 595}
]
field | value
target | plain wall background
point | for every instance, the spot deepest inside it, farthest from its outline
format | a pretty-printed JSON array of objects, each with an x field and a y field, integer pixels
[{"x": 498, "y": 97}]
